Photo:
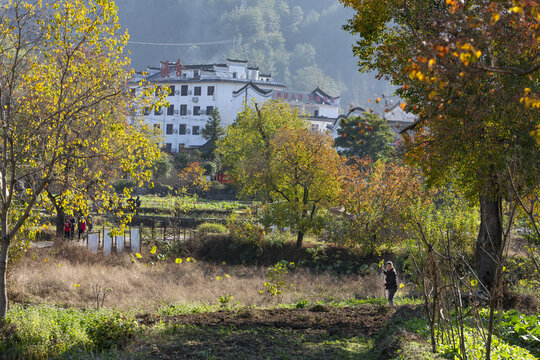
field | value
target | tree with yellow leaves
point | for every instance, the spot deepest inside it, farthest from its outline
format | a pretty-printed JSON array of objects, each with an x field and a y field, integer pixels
[
  {"x": 304, "y": 176},
  {"x": 64, "y": 118}
]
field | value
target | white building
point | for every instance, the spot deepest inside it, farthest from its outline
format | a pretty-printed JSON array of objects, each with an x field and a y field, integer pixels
[{"x": 197, "y": 89}]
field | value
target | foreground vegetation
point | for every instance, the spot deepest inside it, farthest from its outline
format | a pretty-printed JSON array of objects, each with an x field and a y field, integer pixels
[
  {"x": 354, "y": 329},
  {"x": 70, "y": 304}
]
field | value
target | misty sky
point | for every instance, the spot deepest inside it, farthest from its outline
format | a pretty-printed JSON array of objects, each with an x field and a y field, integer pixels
[{"x": 282, "y": 37}]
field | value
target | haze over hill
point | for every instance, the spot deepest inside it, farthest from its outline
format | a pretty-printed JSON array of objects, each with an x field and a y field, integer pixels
[{"x": 300, "y": 42}]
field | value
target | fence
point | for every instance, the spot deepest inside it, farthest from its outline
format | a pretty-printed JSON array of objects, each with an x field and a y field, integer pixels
[
  {"x": 133, "y": 237},
  {"x": 130, "y": 239}
]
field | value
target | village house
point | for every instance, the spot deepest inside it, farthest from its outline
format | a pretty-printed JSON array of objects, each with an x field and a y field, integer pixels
[{"x": 197, "y": 89}]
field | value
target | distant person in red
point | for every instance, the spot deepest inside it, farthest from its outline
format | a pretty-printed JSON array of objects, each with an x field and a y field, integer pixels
[
  {"x": 81, "y": 226},
  {"x": 67, "y": 229}
]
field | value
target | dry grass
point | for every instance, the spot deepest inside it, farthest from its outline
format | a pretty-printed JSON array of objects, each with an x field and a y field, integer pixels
[{"x": 67, "y": 276}]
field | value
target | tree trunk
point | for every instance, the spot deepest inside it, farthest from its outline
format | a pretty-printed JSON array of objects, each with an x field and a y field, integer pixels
[
  {"x": 299, "y": 239},
  {"x": 490, "y": 239},
  {"x": 3, "y": 275},
  {"x": 60, "y": 215},
  {"x": 60, "y": 219}
]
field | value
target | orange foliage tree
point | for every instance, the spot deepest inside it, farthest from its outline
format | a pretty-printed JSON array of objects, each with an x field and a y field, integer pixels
[
  {"x": 470, "y": 71},
  {"x": 192, "y": 178},
  {"x": 375, "y": 200}
]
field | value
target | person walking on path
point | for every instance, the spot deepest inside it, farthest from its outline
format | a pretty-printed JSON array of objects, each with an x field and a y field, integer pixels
[
  {"x": 73, "y": 225},
  {"x": 67, "y": 229},
  {"x": 81, "y": 227},
  {"x": 390, "y": 281}
]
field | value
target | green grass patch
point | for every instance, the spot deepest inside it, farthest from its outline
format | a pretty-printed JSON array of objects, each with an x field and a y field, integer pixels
[{"x": 212, "y": 228}]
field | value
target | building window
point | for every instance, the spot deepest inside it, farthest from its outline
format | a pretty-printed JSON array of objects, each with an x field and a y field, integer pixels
[
  {"x": 147, "y": 111},
  {"x": 182, "y": 130},
  {"x": 181, "y": 147},
  {"x": 158, "y": 111},
  {"x": 169, "y": 129},
  {"x": 196, "y": 130},
  {"x": 196, "y": 72},
  {"x": 183, "y": 109},
  {"x": 184, "y": 90},
  {"x": 211, "y": 90},
  {"x": 168, "y": 146},
  {"x": 234, "y": 75},
  {"x": 209, "y": 109},
  {"x": 172, "y": 90},
  {"x": 197, "y": 91},
  {"x": 316, "y": 113},
  {"x": 170, "y": 110},
  {"x": 196, "y": 110}
]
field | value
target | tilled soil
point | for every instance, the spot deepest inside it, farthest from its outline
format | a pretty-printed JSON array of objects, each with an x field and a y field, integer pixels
[
  {"x": 365, "y": 320},
  {"x": 316, "y": 333}
]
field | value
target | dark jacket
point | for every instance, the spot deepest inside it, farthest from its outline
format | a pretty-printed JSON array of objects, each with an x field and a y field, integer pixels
[{"x": 391, "y": 279}]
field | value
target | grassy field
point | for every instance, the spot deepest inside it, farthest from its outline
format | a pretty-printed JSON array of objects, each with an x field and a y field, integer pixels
[
  {"x": 169, "y": 205},
  {"x": 70, "y": 276}
]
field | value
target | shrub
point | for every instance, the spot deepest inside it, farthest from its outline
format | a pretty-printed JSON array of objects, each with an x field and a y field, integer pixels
[
  {"x": 212, "y": 228},
  {"x": 47, "y": 331},
  {"x": 111, "y": 331},
  {"x": 120, "y": 185},
  {"x": 277, "y": 276},
  {"x": 277, "y": 238},
  {"x": 210, "y": 168},
  {"x": 248, "y": 231}
]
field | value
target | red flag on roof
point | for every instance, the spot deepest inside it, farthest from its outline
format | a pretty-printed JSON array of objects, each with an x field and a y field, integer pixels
[{"x": 179, "y": 67}]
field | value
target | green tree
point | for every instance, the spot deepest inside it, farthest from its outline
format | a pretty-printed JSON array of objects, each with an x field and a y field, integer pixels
[
  {"x": 304, "y": 175},
  {"x": 469, "y": 70},
  {"x": 368, "y": 135},
  {"x": 162, "y": 167},
  {"x": 213, "y": 131},
  {"x": 62, "y": 72},
  {"x": 246, "y": 149}
]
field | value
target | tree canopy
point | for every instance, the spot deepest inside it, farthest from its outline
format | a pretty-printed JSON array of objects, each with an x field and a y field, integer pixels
[
  {"x": 468, "y": 70},
  {"x": 246, "y": 149},
  {"x": 368, "y": 135},
  {"x": 64, "y": 110},
  {"x": 304, "y": 176}
]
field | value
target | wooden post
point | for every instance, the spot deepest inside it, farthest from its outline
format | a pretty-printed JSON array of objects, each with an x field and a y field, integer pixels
[{"x": 164, "y": 230}]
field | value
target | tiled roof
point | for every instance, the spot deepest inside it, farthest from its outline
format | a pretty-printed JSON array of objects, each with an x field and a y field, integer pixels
[
  {"x": 254, "y": 87},
  {"x": 237, "y": 61}
]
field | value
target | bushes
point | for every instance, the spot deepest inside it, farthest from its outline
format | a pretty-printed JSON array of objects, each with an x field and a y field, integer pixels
[
  {"x": 45, "y": 331},
  {"x": 515, "y": 337},
  {"x": 106, "y": 332},
  {"x": 212, "y": 228}
]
